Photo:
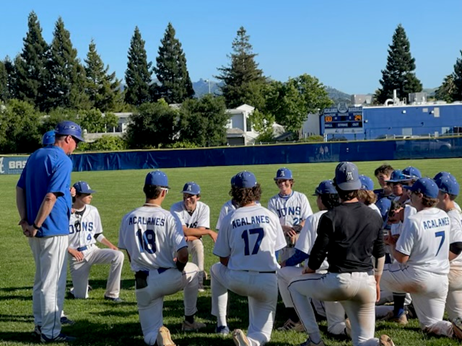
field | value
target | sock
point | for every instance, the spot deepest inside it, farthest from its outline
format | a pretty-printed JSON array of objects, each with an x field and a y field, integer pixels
[
  {"x": 292, "y": 315},
  {"x": 398, "y": 306},
  {"x": 189, "y": 319},
  {"x": 221, "y": 321}
]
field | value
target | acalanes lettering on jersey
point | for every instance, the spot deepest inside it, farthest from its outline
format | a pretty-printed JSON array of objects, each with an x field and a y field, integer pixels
[{"x": 342, "y": 120}]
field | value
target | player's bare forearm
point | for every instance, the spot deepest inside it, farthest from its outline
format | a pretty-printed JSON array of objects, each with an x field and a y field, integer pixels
[
  {"x": 21, "y": 204},
  {"x": 400, "y": 257},
  {"x": 199, "y": 232},
  {"x": 106, "y": 242}
]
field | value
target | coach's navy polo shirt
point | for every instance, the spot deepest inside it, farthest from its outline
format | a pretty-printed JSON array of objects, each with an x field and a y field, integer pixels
[{"x": 48, "y": 170}]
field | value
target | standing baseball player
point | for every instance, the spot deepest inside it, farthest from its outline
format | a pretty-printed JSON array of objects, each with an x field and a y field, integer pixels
[
  {"x": 246, "y": 245},
  {"x": 194, "y": 217},
  {"x": 158, "y": 255},
  {"x": 422, "y": 251},
  {"x": 84, "y": 230},
  {"x": 448, "y": 191},
  {"x": 44, "y": 203},
  {"x": 291, "y": 207},
  {"x": 327, "y": 199},
  {"x": 349, "y": 235}
]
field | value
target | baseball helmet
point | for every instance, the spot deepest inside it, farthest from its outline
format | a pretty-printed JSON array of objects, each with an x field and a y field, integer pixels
[
  {"x": 48, "y": 138},
  {"x": 69, "y": 128}
]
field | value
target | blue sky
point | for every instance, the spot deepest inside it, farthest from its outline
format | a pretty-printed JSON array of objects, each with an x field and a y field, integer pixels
[{"x": 342, "y": 43}]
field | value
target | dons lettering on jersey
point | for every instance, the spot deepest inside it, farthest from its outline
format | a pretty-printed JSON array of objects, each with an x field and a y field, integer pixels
[
  {"x": 81, "y": 226},
  {"x": 289, "y": 211},
  {"x": 141, "y": 220},
  {"x": 192, "y": 225},
  {"x": 256, "y": 219},
  {"x": 434, "y": 223}
]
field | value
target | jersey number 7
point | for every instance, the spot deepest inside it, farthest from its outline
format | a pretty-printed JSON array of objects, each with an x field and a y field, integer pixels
[{"x": 259, "y": 233}]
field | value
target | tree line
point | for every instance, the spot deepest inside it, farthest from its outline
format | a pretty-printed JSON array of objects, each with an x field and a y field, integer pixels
[{"x": 46, "y": 83}]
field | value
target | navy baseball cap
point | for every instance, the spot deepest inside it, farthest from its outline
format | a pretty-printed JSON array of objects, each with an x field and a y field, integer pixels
[
  {"x": 157, "y": 178},
  {"x": 245, "y": 179},
  {"x": 82, "y": 187},
  {"x": 325, "y": 187},
  {"x": 233, "y": 179},
  {"x": 366, "y": 183},
  {"x": 426, "y": 186},
  {"x": 447, "y": 183},
  {"x": 69, "y": 128},
  {"x": 398, "y": 176},
  {"x": 412, "y": 172},
  {"x": 347, "y": 176},
  {"x": 48, "y": 138},
  {"x": 191, "y": 188},
  {"x": 438, "y": 175},
  {"x": 283, "y": 173}
]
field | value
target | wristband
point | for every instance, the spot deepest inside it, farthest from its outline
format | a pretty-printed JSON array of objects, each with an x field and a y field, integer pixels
[{"x": 35, "y": 226}]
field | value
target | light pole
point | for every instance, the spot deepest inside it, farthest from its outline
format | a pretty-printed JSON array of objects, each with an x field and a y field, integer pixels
[{"x": 207, "y": 81}]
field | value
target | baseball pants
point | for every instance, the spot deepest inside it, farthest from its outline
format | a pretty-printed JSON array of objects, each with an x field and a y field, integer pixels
[
  {"x": 428, "y": 291},
  {"x": 261, "y": 291},
  {"x": 150, "y": 299},
  {"x": 196, "y": 249},
  {"x": 335, "y": 314},
  {"x": 454, "y": 298},
  {"x": 355, "y": 291},
  {"x": 50, "y": 256},
  {"x": 80, "y": 270}
]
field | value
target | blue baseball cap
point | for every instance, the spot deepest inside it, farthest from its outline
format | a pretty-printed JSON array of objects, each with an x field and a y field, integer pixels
[
  {"x": 191, "y": 188},
  {"x": 447, "y": 183},
  {"x": 366, "y": 183},
  {"x": 283, "y": 173},
  {"x": 325, "y": 187},
  {"x": 398, "y": 176},
  {"x": 412, "y": 172},
  {"x": 438, "y": 175},
  {"x": 82, "y": 187},
  {"x": 69, "y": 128},
  {"x": 157, "y": 178},
  {"x": 426, "y": 186},
  {"x": 233, "y": 179},
  {"x": 48, "y": 138},
  {"x": 347, "y": 176},
  {"x": 245, "y": 179}
]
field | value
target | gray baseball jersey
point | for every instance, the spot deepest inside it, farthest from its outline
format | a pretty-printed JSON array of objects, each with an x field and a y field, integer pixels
[{"x": 292, "y": 210}]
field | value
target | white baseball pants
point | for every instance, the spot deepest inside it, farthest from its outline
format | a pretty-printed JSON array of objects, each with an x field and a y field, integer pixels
[
  {"x": 428, "y": 291},
  {"x": 261, "y": 290},
  {"x": 454, "y": 298},
  {"x": 196, "y": 249},
  {"x": 355, "y": 291},
  {"x": 335, "y": 314},
  {"x": 80, "y": 270},
  {"x": 50, "y": 256},
  {"x": 151, "y": 298}
]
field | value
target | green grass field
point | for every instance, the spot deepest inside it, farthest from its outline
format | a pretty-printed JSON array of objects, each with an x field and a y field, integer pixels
[{"x": 100, "y": 322}]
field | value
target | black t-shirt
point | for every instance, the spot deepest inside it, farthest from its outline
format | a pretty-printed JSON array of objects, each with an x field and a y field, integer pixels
[{"x": 348, "y": 235}]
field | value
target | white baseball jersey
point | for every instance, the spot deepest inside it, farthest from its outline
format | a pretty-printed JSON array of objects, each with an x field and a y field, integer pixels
[
  {"x": 82, "y": 228},
  {"x": 250, "y": 237},
  {"x": 308, "y": 235},
  {"x": 152, "y": 237},
  {"x": 199, "y": 218},
  {"x": 227, "y": 208},
  {"x": 425, "y": 239},
  {"x": 374, "y": 207},
  {"x": 292, "y": 210},
  {"x": 456, "y": 233}
]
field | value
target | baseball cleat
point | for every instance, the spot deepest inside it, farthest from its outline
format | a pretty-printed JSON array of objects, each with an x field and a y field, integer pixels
[
  {"x": 65, "y": 320},
  {"x": 223, "y": 330},
  {"x": 164, "y": 338},
  {"x": 457, "y": 328},
  {"x": 37, "y": 332},
  {"x": 401, "y": 319},
  {"x": 190, "y": 327},
  {"x": 60, "y": 338},
  {"x": 239, "y": 338},
  {"x": 115, "y": 300},
  {"x": 291, "y": 325},
  {"x": 385, "y": 340},
  {"x": 310, "y": 342}
]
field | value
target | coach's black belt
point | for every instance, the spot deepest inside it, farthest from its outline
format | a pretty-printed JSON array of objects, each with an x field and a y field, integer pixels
[
  {"x": 82, "y": 248},
  {"x": 255, "y": 271}
]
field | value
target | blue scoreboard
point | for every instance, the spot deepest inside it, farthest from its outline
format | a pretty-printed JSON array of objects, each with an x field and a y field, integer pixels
[{"x": 342, "y": 120}]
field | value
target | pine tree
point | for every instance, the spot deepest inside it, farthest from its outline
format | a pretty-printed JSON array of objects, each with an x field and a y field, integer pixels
[
  {"x": 4, "y": 94},
  {"x": 242, "y": 71},
  {"x": 102, "y": 88},
  {"x": 31, "y": 74},
  {"x": 67, "y": 82},
  {"x": 137, "y": 75},
  {"x": 457, "y": 76},
  {"x": 446, "y": 90},
  {"x": 175, "y": 86},
  {"x": 399, "y": 72}
]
